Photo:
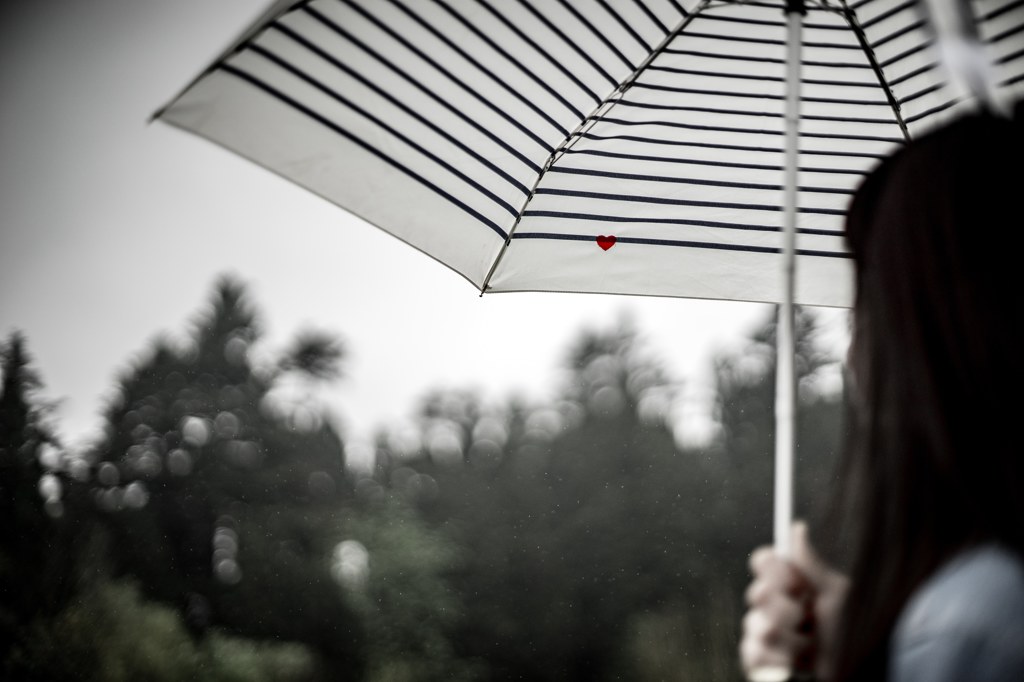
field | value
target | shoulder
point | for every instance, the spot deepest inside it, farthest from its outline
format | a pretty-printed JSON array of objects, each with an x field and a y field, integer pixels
[{"x": 965, "y": 622}]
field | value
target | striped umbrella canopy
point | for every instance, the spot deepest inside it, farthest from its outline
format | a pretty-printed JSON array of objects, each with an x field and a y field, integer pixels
[
  {"x": 611, "y": 146},
  {"x": 631, "y": 146}
]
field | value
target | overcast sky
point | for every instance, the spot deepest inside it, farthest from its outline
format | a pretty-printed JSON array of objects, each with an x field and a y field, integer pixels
[{"x": 113, "y": 229}]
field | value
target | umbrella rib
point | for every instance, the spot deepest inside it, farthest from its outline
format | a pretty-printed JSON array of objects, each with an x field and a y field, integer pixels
[
  {"x": 585, "y": 124},
  {"x": 869, "y": 53}
]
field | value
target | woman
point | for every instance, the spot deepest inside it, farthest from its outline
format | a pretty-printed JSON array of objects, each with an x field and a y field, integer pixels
[{"x": 933, "y": 480}]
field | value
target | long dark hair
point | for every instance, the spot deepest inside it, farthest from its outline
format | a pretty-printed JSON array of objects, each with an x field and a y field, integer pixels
[{"x": 935, "y": 464}]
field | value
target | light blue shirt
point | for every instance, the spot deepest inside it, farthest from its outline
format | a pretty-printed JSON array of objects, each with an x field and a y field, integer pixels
[{"x": 965, "y": 623}]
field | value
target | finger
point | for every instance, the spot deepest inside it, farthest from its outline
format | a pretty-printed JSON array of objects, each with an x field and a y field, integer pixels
[
  {"x": 777, "y": 621},
  {"x": 785, "y": 614},
  {"x": 777, "y": 575},
  {"x": 754, "y": 654},
  {"x": 764, "y": 644},
  {"x": 781, "y": 579},
  {"x": 804, "y": 555},
  {"x": 760, "y": 558}
]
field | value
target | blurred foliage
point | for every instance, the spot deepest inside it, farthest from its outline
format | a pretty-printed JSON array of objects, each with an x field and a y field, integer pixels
[
  {"x": 110, "y": 634},
  {"x": 215, "y": 533}
]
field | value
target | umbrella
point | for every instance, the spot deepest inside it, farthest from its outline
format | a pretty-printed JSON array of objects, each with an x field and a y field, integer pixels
[{"x": 608, "y": 146}]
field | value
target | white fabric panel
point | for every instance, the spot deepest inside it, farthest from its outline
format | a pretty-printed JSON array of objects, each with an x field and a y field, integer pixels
[
  {"x": 225, "y": 109},
  {"x": 668, "y": 271}
]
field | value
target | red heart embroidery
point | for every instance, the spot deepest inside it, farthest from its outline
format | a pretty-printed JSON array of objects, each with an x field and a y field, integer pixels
[{"x": 606, "y": 242}]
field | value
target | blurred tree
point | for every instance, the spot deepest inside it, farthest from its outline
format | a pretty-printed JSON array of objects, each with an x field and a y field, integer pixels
[
  {"x": 39, "y": 540},
  {"x": 571, "y": 539},
  {"x": 216, "y": 497},
  {"x": 110, "y": 633},
  {"x": 743, "y": 452},
  {"x": 396, "y": 571},
  {"x": 590, "y": 536},
  {"x": 623, "y": 498},
  {"x": 576, "y": 515},
  {"x": 740, "y": 460}
]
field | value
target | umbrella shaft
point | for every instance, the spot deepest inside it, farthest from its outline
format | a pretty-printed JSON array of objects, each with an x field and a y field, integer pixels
[{"x": 785, "y": 381}]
